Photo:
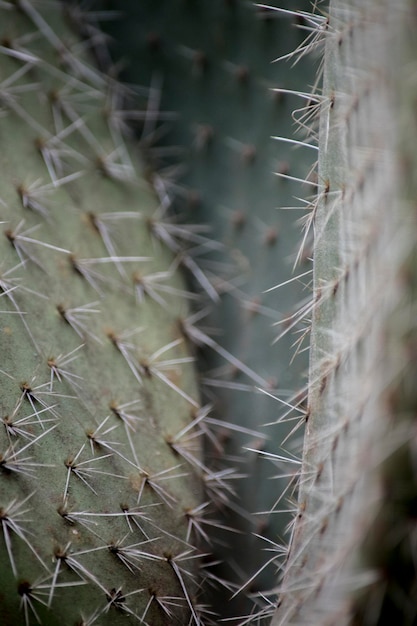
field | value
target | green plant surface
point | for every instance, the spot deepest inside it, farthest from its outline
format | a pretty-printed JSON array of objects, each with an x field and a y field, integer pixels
[
  {"x": 350, "y": 560},
  {"x": 211, "y": 64},
  {"x": 97, "y": 383}
]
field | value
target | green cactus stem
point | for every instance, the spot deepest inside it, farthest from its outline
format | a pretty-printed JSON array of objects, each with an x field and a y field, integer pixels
[{"x": 99, "y": 510}]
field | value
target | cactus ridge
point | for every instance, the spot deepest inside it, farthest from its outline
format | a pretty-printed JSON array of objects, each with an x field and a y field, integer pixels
[{"x": 104, "y": 496}]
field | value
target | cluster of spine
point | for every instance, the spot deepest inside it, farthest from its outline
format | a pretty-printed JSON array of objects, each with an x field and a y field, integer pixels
[
  {"x": 222, "y": 98},
  {"x": 103, "y": 492},
  {"x": 351, "y": 555}
]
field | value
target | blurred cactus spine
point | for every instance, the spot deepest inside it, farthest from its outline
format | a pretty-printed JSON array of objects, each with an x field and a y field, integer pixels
[{"x": 350, "y": 559}]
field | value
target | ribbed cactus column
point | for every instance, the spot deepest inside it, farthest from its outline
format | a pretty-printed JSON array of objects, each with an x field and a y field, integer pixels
[
  {"x": 96, "y": 506},
  {"x": 363, "y": 333}
]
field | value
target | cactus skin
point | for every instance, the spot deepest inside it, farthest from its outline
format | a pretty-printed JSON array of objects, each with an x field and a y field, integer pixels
[
  {"x": 351, "y": 558},
  {"x": 95, "y": 504},
  {"x": 213, "y": 61}
]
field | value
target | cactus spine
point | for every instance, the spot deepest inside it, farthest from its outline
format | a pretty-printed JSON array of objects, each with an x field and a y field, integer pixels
[
  {"x": 100, "y": 471},
  {"x": 361, "y": 402}
]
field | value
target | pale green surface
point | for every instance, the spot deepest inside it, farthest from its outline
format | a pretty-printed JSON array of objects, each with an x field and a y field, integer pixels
[{"x": 39, "y": 333}]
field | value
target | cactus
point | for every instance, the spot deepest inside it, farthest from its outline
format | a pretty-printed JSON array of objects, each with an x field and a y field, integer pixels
[
  {"x": 100, "y": 471},
  {"x": 103, "y": 486},
  {"x": 351, "y": 556},
  {"x": 212, "y": 62}
]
